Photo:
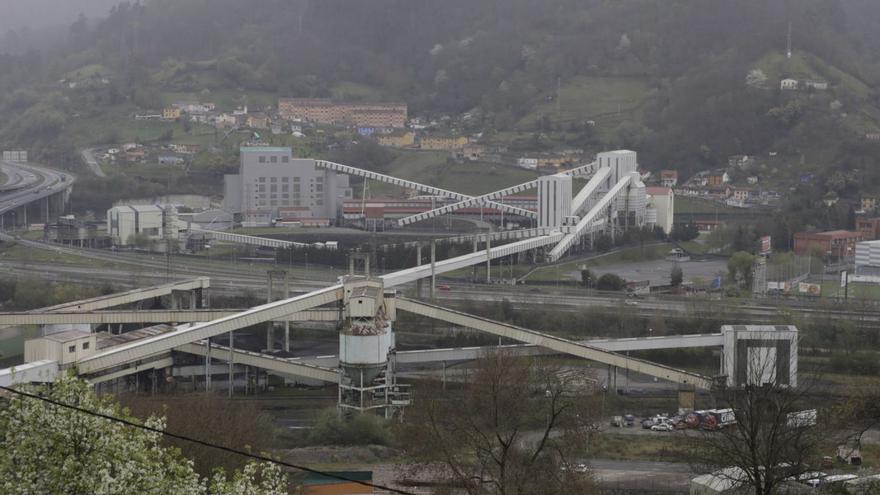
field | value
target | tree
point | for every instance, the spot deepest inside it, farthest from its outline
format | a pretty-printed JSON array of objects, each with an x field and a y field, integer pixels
[
  {"x": 684, "y": 232},
  {"x": 771, "y": 442},
  {"x": 228, "y": 423},
  {"x": 756, "y": 79},
  {"x": 677, "y": 275},
  {"x": 508, "y": 429},
  {"x": 739, "y": 267},
  {"x": 588, "y": 279},
  {"x": 610, "y": 281},
  {"x": 45, "y": 448}
]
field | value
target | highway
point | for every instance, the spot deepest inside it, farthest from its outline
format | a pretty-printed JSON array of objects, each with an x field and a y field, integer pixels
[
  {"x": 28, "y": 183},
  {"x": 125, "y": 268}
]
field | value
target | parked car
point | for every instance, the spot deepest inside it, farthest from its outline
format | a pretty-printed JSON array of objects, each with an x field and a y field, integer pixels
[
  {"x": 662, "y": 427},
  {"x": 444, "y": 287}
]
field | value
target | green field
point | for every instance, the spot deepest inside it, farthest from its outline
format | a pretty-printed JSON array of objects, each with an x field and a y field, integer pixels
[
  {"x": 806, "y": 66},
  {"x": 433, "y": 168},
  {"x": 607, "y": 100},
  {"x": 571, "y": 271}
]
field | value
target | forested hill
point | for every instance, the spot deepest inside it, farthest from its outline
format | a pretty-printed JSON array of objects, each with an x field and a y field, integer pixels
[{"x": 681, "y": 63}]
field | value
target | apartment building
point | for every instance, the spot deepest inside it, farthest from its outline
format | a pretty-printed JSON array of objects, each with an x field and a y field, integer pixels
[{"x": 360, "y": 114}]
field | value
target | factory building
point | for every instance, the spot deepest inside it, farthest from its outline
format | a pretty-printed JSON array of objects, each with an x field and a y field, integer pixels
[
  {"x": 660, "y": 207},
  {"x": 139, "y": 225},
  {"x": 554, "y": 198},
  {"x": 868, "y": 258},
  {"x": 273, "y": 185}
]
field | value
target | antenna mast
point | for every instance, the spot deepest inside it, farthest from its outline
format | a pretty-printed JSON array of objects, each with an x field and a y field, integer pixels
[{"x": 788, "y": 50}]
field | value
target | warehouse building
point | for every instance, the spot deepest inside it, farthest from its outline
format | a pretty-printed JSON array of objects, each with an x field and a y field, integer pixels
[
  {"x": 272, "y": 185},
  {"x": 155, "y": 227}
]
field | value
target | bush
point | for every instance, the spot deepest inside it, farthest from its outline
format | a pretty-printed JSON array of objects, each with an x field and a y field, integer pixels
[
  {"x": 361, "y": 429},
  {"x": 610, "y": 281},
  {"x": 860, "y": 363}
]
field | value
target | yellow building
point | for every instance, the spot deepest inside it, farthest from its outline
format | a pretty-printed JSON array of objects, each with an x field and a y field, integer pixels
[
  {"x": 171, "y": 113},
  {"x": 869, "y": 203},
  {"x": 397, "y": 140},
  {"x": 442, "y": 143}
]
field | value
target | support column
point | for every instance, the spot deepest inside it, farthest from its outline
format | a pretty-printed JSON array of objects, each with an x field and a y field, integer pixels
[
  {"x": 476, "y": 248},
  {"x": 208, "y": 367},
  {"x": 418, "y": 263},
  {"x": 231, "y": 362},
  {"x": 433, "y": 268},
  {"x": 488, "y": 259},
  {"x": 287, "y": 319}
]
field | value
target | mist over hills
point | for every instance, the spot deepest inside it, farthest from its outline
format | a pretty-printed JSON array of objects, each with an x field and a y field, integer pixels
[{"x": 675, "y": 69}]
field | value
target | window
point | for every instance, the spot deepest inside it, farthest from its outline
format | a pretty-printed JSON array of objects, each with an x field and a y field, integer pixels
[
  {"x": 319, "y": 179},
  {"x": 262, "y": 179},
  {"x": 262, "y": 159},
  {"x": 285, "y": 187},
  {"x": 273, "y": 159},
  {"x": 285, "y": 179},
  {"x": 71, "y": 349},
  {"x": 285, "y": 159},
  {"x": 319, "y": 188},
  {"x": 296, "y": 179},
  {"x": 296, "y": 188},
  {"x": 273, "y": 188},
  {"x": 273, "y": 179},
  {"x": 319, "y": 202},
  {"x": 262, "y": 188},
  {"x": 85, "y": 346}
]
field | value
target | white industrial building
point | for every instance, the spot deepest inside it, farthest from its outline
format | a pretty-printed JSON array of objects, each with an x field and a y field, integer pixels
[
  {"x": 271, "y": 184},
  {"x": 868, "y": 259},
  {"x": 554, "y": 200},
  {"x": 660, "y": 208},
  {"x": 759, "y": 354},
  {"x": 158, "y": 224}
]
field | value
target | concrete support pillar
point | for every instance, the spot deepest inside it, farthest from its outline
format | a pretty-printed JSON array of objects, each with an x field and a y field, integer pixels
[
  {"x": 488, "y": 259},
  {"x": 476, "y": 248},
  {"x": 433, "y": 268},
  {"x": 231, "y": 363},
  {"x": 208, "y": 367},
  {"x": 418, "y": 263},
  {"x": 287, "y": 320}
]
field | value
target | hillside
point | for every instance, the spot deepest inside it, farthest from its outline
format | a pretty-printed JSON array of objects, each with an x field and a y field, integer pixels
[{"x": 666, "y": 78}]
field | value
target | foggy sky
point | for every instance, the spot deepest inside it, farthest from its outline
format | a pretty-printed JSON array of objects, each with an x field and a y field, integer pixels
[{"x": 36, "y": 14}]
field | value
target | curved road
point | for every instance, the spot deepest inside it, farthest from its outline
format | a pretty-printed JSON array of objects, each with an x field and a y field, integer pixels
[{"x": 33, "y": 183}]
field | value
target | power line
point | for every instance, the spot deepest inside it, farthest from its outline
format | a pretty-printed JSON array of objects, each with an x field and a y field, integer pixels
[{"x": 201, "y": 442}]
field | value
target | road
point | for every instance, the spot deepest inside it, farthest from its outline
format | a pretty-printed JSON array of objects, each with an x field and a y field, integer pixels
[
  {"x": 88, "y": 156},
  {"x": 46, "y": 182},
  {"x": 238, "y": 277}
]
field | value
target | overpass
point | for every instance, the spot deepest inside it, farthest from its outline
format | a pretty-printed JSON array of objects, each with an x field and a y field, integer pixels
[{"x": 29, "y": 185}]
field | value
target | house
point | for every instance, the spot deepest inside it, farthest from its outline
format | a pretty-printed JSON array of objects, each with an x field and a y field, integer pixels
[
  {"x": 257, "y": 120},
  {"x": 817, "y": 85},
  {"x": 739, "y": 161},
  {"x": 717, "y": 179},
  {"x": 186, "y": 148},
  {"x": 170, "y": 113},
  {"x": 527, "y": 162},
  {"x": 669, "y": 178},
  {"x": 834, "y": 243},
  {"x": 788, "y": 84},
  {"x": 225, "y": 120},
  {"x": 872, "y": 136},
  {"x": 403, "y": 139},
  {"x": 869, "y": 227},
  {"x": 472, "y": 152},
  {"x": 752, "y": 179},
  {"x": 869, "y": 203},
  {"x": 442, "y": 142},
  {"x": 135, "y": 155},
  {"x": 169, "y": 160}
]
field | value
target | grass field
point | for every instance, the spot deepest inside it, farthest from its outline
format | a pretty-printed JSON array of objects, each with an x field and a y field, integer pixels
[
  {"x": 571, "y": 271},
  {"x": 433, "y": 168},
  {"x": 117, "y": 125},
  {"x": 688, "y": 204},
  {"x": 803, "y": 66},
  {"x": 606, "y": 100}
]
